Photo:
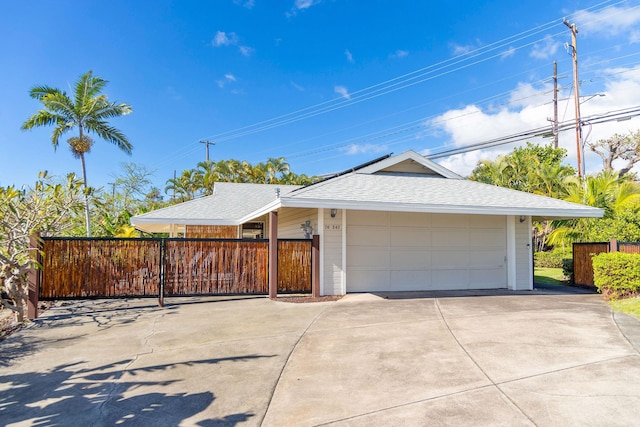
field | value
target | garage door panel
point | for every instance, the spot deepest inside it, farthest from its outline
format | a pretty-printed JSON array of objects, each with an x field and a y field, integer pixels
[
  {"x": 493, "y": 259},
  {"x": 369, "y": 257},
  {"x": 412, "y": 237},
  {"x": 487, "y": 238},
  {"x": 450, "y": 279},
  {"x": 372, "y": 280},
  {"x": 450, "y": 238},
  {"x": 488, "y": 221},
  {"x": 450, "y": 221},
  {"x": 410, "y": 219},
  {"x": 415, "y": 280},
  {"x": 450, "y": 259},
  {"x": 368, "y": 236},
  {"x": 483, "y": 278},
  {"x": 365, "y": 218},
  {"x": 410, "y": 259}
]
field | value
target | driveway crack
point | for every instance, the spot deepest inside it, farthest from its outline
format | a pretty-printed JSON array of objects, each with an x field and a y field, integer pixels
[
  {"x": 496, "y": 385},
  {"x": 286, "y": 362}
]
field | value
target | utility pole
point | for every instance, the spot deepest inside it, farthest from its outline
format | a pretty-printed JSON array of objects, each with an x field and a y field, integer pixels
[
  {"x": 554, "y": 120},
  {"x": 576, "y": 91},
  {"x": 207, "y": 144},
  {"x": 555, "y": 104}
]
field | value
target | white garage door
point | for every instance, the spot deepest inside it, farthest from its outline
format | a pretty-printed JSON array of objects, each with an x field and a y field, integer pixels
[{"x": 414, "y": 251}]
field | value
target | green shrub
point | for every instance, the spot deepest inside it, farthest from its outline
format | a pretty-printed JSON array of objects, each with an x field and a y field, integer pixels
[
  {"x": 617, "y": 275},
  {"x": 551, "y": 259},
  {"x": 567, "y": 269}
]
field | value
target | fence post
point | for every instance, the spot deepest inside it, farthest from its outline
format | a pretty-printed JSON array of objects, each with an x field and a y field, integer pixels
[
  {"x": 273, "y": 254},
  {"x": 315, "y": 266},
  {"x": 163, "y": 259},
  {"x": 33, "y": 276},
  {"x": 613, "y": 245}
]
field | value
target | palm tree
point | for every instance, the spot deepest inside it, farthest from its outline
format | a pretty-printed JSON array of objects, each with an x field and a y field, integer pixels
[
  {"x": 607, "y": 191},
  {"x": 87, "y": 112}
]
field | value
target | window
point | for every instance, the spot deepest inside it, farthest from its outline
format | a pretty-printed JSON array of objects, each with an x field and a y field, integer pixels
[{"x": 253, "y": 230}]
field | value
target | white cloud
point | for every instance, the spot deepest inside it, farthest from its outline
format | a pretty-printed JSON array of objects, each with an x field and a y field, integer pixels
[
  {"x": 399, "y": 54},
  {"x": 610, "y": 21},
  {"x": 546, "y": 49},
  {"x": 245, "y": 3},
  {"x": 342, "y": 91},
  {"x": 228, "y": 78},
  {"x": 297, "y": 87},
  {"x": 349, "y": 56},
  {"x": 528, "y": 108},
  {"x": 353, "y": 149},
  {"x": 457, "y": 49},
  {"x": 246, "y": 50},
  {"x": 305, "y": 4},
  {"x": 223, "y": 39},
  {"x": 299, "y": 5},
  {"x": 508, "y": 53}
]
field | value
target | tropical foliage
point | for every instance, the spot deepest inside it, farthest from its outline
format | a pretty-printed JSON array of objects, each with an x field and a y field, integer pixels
[
  {"x": 200, "y": 180},
  {"x": 87, "y": 111},
  {"x": 48, "y": 208}
]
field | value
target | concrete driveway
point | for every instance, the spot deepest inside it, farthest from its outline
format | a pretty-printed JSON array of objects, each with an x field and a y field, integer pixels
[{"x": 459, "y": 358}]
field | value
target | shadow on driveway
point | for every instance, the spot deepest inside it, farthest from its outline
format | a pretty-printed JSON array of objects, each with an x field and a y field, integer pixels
[{"x": 71, "y": 395}]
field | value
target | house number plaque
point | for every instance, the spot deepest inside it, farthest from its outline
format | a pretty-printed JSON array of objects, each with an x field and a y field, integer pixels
[{"x": 333, "y": 227}]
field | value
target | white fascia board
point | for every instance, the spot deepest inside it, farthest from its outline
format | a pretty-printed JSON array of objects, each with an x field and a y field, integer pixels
[
  {"x": 275, "y": 205},
  {"x": 410, "y": 154},
  {"x": 190, "y": 221},
  {"x": 587, "y": 212}
]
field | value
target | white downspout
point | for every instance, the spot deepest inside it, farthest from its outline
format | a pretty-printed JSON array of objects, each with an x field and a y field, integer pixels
[{"x": 511, "y": 252}]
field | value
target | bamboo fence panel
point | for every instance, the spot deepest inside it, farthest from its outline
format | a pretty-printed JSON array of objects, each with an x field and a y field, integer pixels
[
  {"x": 582, "y": 263},
  {"x": 294, "y": 266},
  {"x": 629, "y": 248},
  {"x": 209, "y": 267},
  {"x": 85, "y": 268},
  {"x": 211, "y": 231}
]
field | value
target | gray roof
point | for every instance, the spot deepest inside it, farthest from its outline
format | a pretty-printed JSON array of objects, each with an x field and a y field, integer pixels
[
  {"x": 424, "y": 193},
  {"x": 229, "y": 203},
  {"x": 382, "y": 186}
]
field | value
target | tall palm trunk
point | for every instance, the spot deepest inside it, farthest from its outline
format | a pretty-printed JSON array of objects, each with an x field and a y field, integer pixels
[{"x": 87, "y": 219}]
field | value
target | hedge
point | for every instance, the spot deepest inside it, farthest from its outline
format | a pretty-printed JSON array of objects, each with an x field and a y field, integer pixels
[
  {"x": 551, "y": 259},
  {"x": 617, "y": 274}
]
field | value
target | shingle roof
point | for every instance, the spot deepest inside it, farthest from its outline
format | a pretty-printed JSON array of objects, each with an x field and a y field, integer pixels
[
  {"x": 230, "y": 202},
  {"x": 370, "y": 188},
  {"x": 420, "y": 193}
]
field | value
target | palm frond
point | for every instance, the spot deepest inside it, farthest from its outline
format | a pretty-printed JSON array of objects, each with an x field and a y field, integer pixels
[
  {"x": 39, "y": 92},
  {"x": 111, "y": 109},
  {"x": 60, "y": 103},
  {"x": 110, "y": 134},
  {"x": 87, "y": 87},
  {"x": 41, "y": 118}
]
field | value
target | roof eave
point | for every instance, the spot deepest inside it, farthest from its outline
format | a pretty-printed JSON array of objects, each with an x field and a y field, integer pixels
[{"x": 586, "y": 212}]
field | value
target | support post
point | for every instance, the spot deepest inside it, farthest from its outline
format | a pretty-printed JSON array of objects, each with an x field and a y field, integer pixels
[
  {"x": 613, "y": 245},
  {"x": 33, "y": 277},
  {"x": 163, "y": 262},
  {"x": 315, "y": 266},
  {"x": 273, "y": 254}
]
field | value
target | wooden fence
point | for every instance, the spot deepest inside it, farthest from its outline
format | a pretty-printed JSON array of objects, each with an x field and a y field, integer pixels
[
  {"x": 583, "y": 252},
  {"x": 105, "y": 267}
]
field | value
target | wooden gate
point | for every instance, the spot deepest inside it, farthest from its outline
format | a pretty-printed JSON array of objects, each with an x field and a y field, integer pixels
[{"x": 111, "y": 267}]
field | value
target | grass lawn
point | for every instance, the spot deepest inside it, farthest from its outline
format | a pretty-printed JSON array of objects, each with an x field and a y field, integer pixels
[
  {"x": 549, "y": 276},
  {"x": 629, "y": 306}
]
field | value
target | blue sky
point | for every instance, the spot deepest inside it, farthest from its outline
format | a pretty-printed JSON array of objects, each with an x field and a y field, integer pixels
[{"x": 328, "y": 84}]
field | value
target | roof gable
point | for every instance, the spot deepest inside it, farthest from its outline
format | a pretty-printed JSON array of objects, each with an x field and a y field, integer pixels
[{"x": 409, "y": 162}]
